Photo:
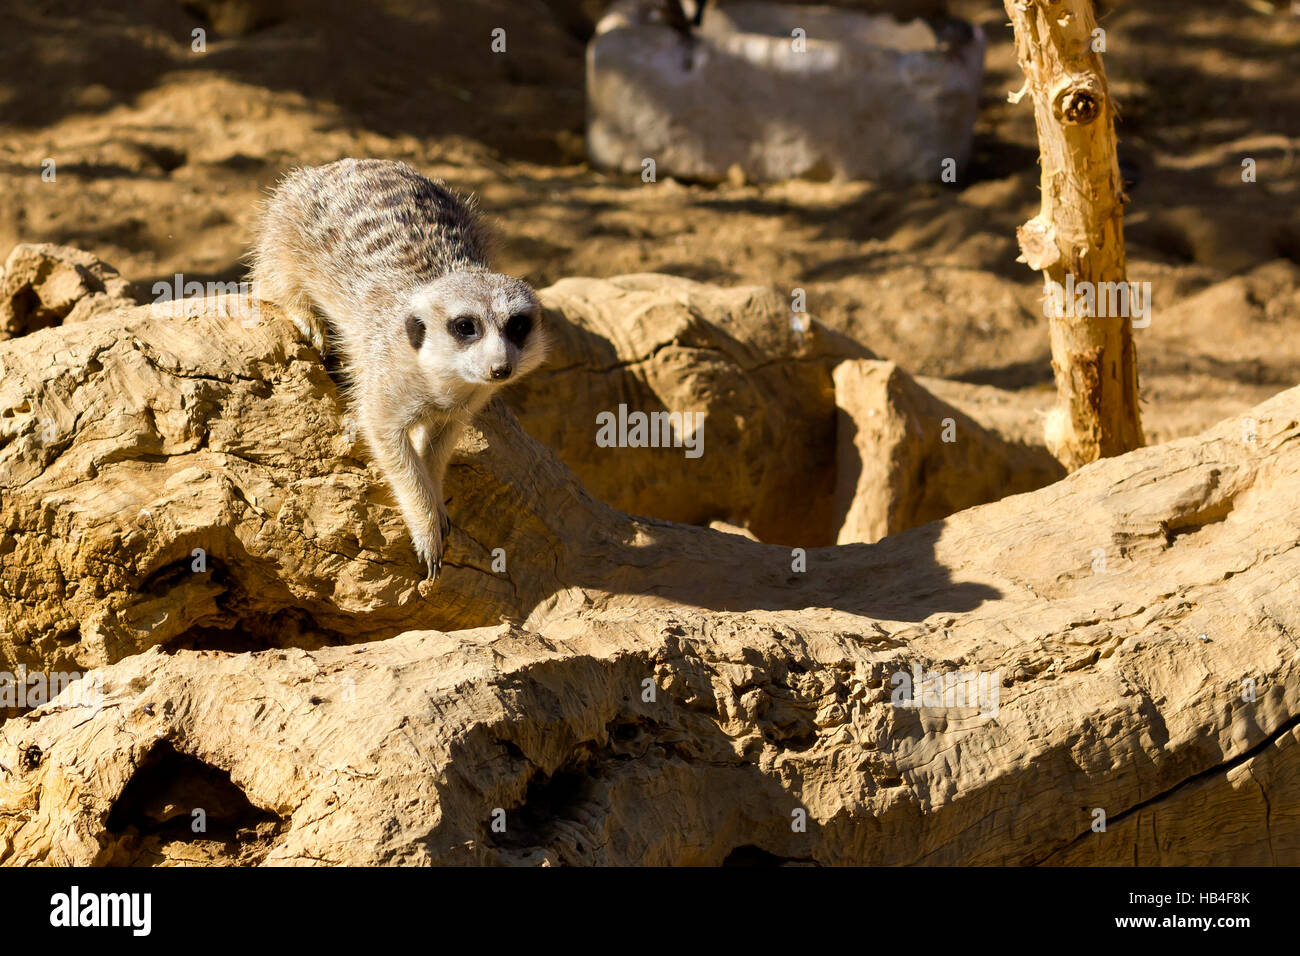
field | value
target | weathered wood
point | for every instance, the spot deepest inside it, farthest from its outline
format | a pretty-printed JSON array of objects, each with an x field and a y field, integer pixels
[
  {"x": 1138, "y": 618},
  {"x": 1078, "y": 231}
]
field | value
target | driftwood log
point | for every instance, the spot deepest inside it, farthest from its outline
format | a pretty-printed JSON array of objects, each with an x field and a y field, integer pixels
[{"x": 618, "y": 689}]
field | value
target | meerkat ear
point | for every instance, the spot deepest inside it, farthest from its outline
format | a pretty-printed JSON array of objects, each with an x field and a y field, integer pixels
[{"x": 415, "y": 331}]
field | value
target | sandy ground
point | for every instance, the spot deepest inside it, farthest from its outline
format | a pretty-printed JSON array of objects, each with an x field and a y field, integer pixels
[{"x": 161, "y": 153}]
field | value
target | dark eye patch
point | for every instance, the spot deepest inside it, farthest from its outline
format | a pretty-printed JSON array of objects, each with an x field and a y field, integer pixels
[
  {"x": 415, "y": 331},
  {"x": 518, "y": 327}
]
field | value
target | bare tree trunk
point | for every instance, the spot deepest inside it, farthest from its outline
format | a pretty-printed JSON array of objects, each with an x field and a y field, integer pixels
[{"x": 1079, "y": 230}]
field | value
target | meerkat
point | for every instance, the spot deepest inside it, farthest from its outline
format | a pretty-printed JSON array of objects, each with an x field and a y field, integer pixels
[{"x": 389, "y": 269}]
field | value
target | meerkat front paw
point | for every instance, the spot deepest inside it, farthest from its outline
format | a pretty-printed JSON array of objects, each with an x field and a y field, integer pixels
[
  {"x": 431, "y": 543},
  {"x": 428, "y": 544}
]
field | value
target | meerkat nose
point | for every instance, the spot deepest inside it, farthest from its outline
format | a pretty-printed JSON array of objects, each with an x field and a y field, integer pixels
[{"x": 502, "y": 371}]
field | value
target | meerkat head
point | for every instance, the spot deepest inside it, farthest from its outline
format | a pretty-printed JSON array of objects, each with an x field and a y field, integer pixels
[{"x": 480, "y": 327}]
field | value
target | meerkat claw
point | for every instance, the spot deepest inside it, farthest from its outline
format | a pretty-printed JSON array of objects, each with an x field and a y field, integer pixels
[{"x": 431, "y": 560}]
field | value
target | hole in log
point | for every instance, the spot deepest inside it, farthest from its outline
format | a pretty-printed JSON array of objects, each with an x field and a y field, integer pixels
[
  {"x": 549, "y": 799},
  {"x": 153, "y": 821},
  {"x": 752, "y": 856}
]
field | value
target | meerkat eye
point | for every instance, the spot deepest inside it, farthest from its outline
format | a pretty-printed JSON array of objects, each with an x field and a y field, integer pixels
[
  {"x": 464, "y": 327},
  {"x": 518, "y": 327}
]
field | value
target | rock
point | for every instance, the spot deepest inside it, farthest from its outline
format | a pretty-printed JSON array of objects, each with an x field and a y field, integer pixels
[
  {"x": 44, "y": 285},
  {"x": 666, "y": 695},
  {"x": 906, "y": 457},
  {"x": 852, "y": 96}
]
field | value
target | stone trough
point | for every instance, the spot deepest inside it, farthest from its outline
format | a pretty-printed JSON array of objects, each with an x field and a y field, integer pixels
[{"x": 768, "y": 91}]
